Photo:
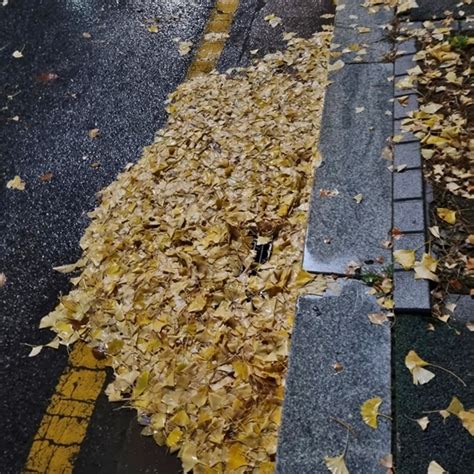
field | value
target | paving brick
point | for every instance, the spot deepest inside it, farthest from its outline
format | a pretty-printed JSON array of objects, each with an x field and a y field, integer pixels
[
  {"x": 408, "y": 184},
  {"x": 407, "y": 47},
  {"x": 403, "y": 63},
  {"x": 415, "y": 241},
  {"x": 409, "y": 216},
  {"x": 329, "y": 330},
  {"x": 407, "y": 154},
  {"x": 405, "y": 136},
  {"x": 408, "y": 103},
  {"x": 410, "y": 294}
]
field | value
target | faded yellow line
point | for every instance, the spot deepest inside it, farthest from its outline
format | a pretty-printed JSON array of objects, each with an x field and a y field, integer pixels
[
  {"x": 64, "y": 425},
  {"x": 214, "y": 39}
]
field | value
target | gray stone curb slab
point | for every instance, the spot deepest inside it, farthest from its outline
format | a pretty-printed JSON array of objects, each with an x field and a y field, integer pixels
[
  {"x": 408, "y": 184},
  {"x": 406, "y": 47},
  {"x": 410, "y": 294},
  {"x": 409, "y": 216},
  {"x": 463, "y": 312},
  {"x": 340, "y": 230},
  {"x": 402, "y": 109},
  {"x": 407, "y": 154},
  {"x": 327, "y": 331}
]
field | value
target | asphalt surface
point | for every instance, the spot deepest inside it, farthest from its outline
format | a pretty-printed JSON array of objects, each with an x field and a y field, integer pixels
[
  {"x": 115, "y": 78},
  {"x": 117, "y": 81}
]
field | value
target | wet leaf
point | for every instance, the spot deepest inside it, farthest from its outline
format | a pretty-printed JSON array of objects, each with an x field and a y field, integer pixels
[
  {"x": 17, "y": 54},
  {"x": 467, "y": 420},
  {"x": 16, "y": 183},
  {"x": 336, "y": 465},
  {"x": 369, "y": 411},
  {"x": 184, "y": 47},
  {"x": 435, "y": 468},
  {"x": 93, "y": 133},
  {"x": 447, "y": 215},
  {"x": 415, "y": 365},
  {"x": 406, "y": 258},
  {"x": 423, "y": 422}
]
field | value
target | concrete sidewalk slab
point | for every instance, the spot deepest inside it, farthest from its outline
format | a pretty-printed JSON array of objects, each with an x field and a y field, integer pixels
[
  {"x": 340, "y": 230},
  {"x": 327, "y": 331}
]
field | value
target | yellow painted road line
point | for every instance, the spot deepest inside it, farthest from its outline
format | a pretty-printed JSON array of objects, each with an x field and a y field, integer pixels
[
  {"x": 215, "y": 36},
  {"x": 64, "y": 425}
]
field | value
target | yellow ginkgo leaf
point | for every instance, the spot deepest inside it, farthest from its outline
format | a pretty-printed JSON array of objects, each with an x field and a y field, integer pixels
[
  {"x": 447, "y": 215},
  {"x": 426, "y": 268},
  {"x": 415, "y": 365},
  {"x": 369, "y": 411},
  {"x": 303, "y": 277},
  {"x": 455, "y": 406},
  {"x": 336, "y": 464},
  {"x": 406, "y": 258},
  {"x": 236, "y": 457},
  {"x": 188, "y": 455},
  {"x": 467, "y": 420},
  {"x": 435, "y": 468},
  {"x": 198, "y": 304},
  {"x": 16, "y": 183},
  {"x": 141, "y": 384},
  {"x": 173, "y": 438}
]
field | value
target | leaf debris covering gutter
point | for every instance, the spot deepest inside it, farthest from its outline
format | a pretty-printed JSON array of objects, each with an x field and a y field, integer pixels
[{"x": 196, "y": 330}]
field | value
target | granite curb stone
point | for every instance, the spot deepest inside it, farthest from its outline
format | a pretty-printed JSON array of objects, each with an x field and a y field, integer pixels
[
  {"x": 340, "y": 230},
  {"x": 403, "y": 63},
  {"x": 329, "y": 330},
  {"x": 415, "y": 241},
  {"x": 405, "y": 135}
]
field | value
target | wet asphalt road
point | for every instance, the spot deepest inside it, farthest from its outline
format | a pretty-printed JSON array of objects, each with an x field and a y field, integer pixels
[{"x": 116, "y": 80}]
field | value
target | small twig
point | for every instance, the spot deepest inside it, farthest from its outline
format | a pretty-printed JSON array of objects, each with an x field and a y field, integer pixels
[
  {"x": 449, "y": 372},
  {"x": 345, "y": 425}
]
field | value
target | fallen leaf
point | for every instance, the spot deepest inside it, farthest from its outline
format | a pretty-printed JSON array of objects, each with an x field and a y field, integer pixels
[
  {"x": 358, "y": 198},
  {"x": 423, "y": 422},
  {"x": 35, "y": 351},
  {"x": 415, "y": 365},
  {"x": 470, "y": 326},
  {"x": 336, "y": 465},
  {"x": 435, "y": 468},
  {"x": 152, "y": 28},
  {"x": 359, "y": 109},
  {"x": 3, "y": 279},
  {"x": 184, "y": 47},
  {"x": 273, "y": 20},
  {"x": 86, "y": 35},
  {"x": 447, "y": 215},
  {"x": 406, "y": 258},
  {"x": 426, "y": 268},
  {"x": 236, "y": 457},
  {"x": 455, "y": 406},
  {"x": 47, "y": 77},
  {"x": 387, "y": 461},
  {"x": 17, "y": 54},
  {"x": 338, "y": 367},
  {"x": 16, "y": 183},
  {"x": 467, "y": 420},
  {"x": 369, "y": 411},
  {"x": 46, "y": 177},
  {"x": 434, "y": 230},
  {"x": 93, "y": 133},
  {"x": 336, "y": 66},
  {"x": 377, "y": 318}
]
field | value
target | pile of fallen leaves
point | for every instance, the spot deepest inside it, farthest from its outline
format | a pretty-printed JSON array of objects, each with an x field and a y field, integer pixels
[
  {"x": 445, "y": 126},
  {"x": 170, "y": 286},
  {"x": 445, "y": 121}
]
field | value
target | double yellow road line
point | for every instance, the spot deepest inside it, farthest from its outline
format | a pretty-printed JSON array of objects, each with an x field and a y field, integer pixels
[{"x": 64, "y": 425}]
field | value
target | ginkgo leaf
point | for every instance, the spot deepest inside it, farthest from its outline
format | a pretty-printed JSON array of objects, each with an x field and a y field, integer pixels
[
  {"x": 303, "y": 278},
  {"x": 455, "y": 406},
  {"x": 423, "y": 422},
  {"x": 273, "y": 20},
  {"x": 17, "y": 54},
  {"x": 369, "y": 411},
  {"x": 141, "y": 384},
  {"x": 435, "y": 468},
  {"x": 467, "y": 420},
  {"x": 377, "y": 318},
  {"x": 236, "y": 457},
  {"x": 184, "y": 47},
  {"x": 16, "y": 183},
  {"x": 358, "y": 198},
  {"x": 198, "y": 304},
  {"x": 406, "y": 258},
  {"x": 426, "y": 268},
  {"x": 336, "y": 66},
  {"x": 447, "y": 215},
  {"x": 336, "y": 465},
  {"x": 35, "y": 351},
  {"x": 188, "y": 455},
  {"x": 415, "y": 365}
]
